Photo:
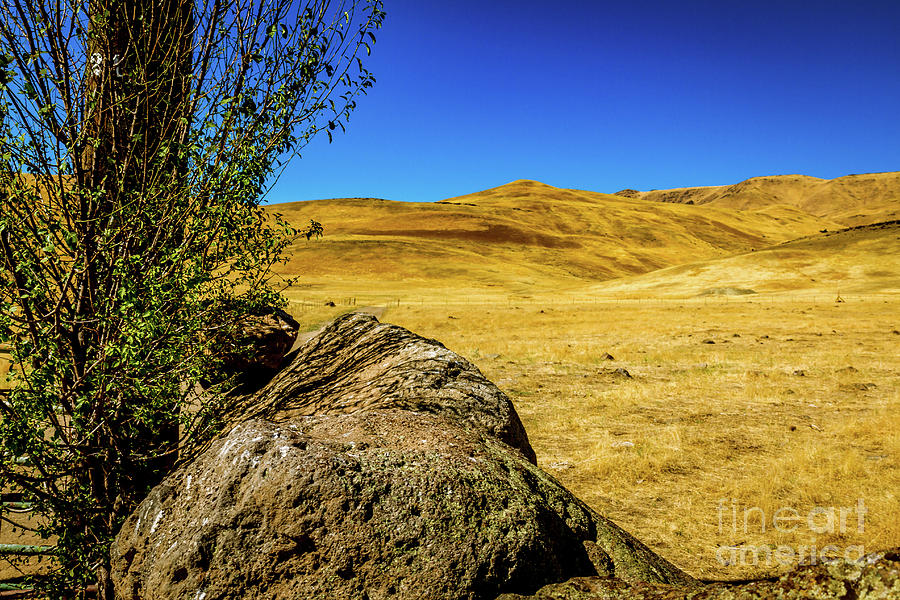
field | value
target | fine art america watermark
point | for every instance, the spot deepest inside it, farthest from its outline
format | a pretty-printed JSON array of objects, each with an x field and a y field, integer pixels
[{"x": 737, "y": 520}]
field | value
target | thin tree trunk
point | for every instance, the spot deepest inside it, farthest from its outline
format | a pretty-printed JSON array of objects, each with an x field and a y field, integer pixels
[{"x": 136, "y": 98}]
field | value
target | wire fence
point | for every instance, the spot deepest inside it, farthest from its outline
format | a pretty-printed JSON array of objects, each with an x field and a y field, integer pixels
[{"x": 837, "y": 298}]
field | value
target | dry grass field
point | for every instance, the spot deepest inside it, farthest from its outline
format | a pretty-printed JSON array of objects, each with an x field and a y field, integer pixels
[
  {"x": 524, "y": 237},
  {"x": 794, "y": 407},
  {"x": 732, "y": 412},
  {"x": 731, "y": 409}
]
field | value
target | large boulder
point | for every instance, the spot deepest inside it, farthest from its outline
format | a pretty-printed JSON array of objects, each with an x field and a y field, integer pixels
[
  {"x": 371, "y": 505},
  {"x": 378, "y": 464}
]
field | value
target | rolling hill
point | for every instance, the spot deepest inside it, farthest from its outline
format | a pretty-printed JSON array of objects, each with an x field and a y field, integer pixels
[
  {"x": 859, "y": 260},
  {"x": 529, "y": 237},
  {"x": 851, "y": 200}
]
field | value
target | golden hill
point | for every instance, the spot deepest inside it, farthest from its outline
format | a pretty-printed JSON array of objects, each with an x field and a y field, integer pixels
[
  {"x": 524, "y": 236},
  {"x": 851, "y": 200},
  {"x": 859, "y": 260}
]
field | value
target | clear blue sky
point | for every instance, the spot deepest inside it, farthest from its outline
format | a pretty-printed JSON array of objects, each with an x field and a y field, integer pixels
[{"x": 603, "y": 95}]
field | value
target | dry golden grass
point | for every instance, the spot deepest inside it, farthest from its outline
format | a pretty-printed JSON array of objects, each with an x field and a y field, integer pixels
[
  {"x": 800, "y": 412},
  {"x": 13, "y": 531},
  {"x": 5, "y": 363}
]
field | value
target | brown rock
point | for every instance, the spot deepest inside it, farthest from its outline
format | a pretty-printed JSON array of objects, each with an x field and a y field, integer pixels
[
  {"x": 858, "y": 387},
  {"x": 376, "y": 504},
  {"x": 387, "y": 466}
]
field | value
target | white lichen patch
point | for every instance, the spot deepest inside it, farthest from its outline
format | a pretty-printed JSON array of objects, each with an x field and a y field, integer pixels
[
  {"x": 156, "y": 521},
  {"x": 227, "y": 446}
]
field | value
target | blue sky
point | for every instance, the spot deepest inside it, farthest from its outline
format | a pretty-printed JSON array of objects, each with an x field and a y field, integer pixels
[{"x": 607, "y": 95}]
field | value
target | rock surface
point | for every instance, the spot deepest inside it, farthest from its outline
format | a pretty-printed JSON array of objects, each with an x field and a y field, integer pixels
[
  {"x": 369, "y": 505},
  {"x": 377, "y": 465},
  {"x": 358, "y": 364}
]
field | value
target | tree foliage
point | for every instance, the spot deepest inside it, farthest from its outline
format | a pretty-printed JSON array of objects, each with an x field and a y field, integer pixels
[{"x": 136, "y": 140}]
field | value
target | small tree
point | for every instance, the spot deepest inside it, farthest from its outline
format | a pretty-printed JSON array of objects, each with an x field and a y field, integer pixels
[{"x": 136, "y": 140}]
